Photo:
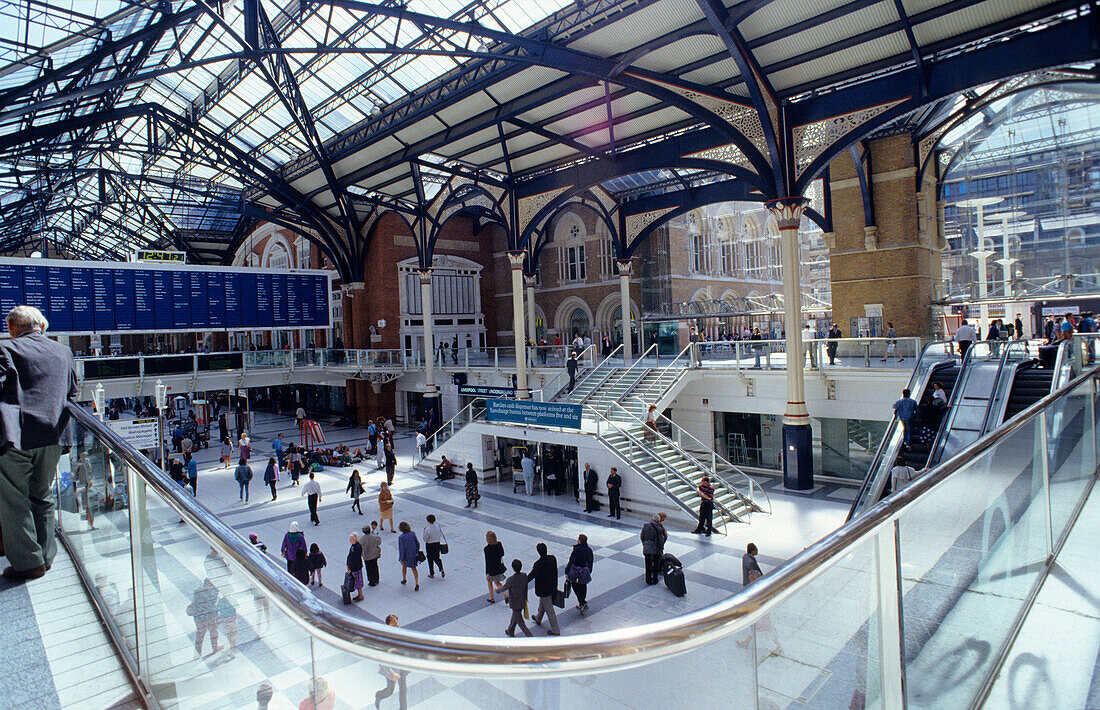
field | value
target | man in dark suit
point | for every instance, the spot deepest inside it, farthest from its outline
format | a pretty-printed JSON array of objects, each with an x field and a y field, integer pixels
[
  {"x": 544, "y": 573},
  {"x": 571, "y": 368},
  {"x": 591, "y": 482},
  {"x": 614, "y": 488},
  {"x": 38, "y": 378}
]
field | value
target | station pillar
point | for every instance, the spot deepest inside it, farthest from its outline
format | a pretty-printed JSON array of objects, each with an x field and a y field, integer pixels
[
  {"x": 626, "y": 267},
  {"x": 516, "y": 259},
  {"x": 532, "y": 332},
  {"x": 429, "y": 340},
  {"x": 798, "y": 472}
]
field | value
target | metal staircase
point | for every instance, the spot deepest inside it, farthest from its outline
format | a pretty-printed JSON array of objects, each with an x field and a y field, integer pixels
[{"x": 662, "y": 459}]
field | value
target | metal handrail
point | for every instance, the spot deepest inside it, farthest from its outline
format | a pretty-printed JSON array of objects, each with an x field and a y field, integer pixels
[
  {"x": 666, "y": 368},
  {"x": 597, "y": 367},
  {"x": 634, "y": 441},
  {"x": 717, "y": 458},
  {"x": 1001, "y": 389},
  {"x": 557, "y": 656},
  {"x": 564, "y": 374},
  {"x": 622, "y": 375},
  {"x": 965, "y": 371},
  {"x": 891, "y": 429}
]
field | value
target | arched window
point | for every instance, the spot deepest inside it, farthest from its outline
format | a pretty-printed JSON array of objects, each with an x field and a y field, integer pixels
[
  {"x": 570, "y": 236},
  {"x": 578, "y": 322}
]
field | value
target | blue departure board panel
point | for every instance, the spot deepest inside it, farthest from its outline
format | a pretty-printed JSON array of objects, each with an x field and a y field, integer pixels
[
  {"x": 125, "y": 307},
  {"x": 199, "y": 316},
  {"x": 265, "y": 315},
  {"x": 60, "y": 314},
  {"x": 234, "y": 314},
  {"x": 95, "y": 297},
  {"x": 215, "y": 299},
  {"x": 103, "y": 300},
  {"x": 144, "y": 300},
  {"x": 162, "y": 300},
  {"x": 83, "y": 312},
  {"x": 36, "y": 289}
]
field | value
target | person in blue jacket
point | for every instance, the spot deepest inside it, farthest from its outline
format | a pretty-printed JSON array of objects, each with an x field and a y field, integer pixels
[{"x": 408, "y": 553}]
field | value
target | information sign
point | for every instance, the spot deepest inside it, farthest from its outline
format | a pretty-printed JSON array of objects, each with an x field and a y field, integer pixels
[
  {"x": 139, "y": 433},
  {"x": 518, "y": 411},
  {"x": 483, "y": 391}
]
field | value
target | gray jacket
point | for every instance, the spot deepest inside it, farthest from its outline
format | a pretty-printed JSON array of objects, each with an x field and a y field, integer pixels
[
  {"x": 372, "y": 546},
  {"x": 38, "y": 378},
  {"x": 748, "y": 565},
  {"x": 653, "y": 538},
  {"x": 515, "y": 588}
]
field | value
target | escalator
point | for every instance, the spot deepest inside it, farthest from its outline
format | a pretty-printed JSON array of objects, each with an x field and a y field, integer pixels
[
  {"x": 976, "y": 387},
  {"x": 920, "y": 444}
]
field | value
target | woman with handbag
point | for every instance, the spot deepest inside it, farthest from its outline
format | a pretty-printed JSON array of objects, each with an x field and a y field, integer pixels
[
  {"x": 355, "y": 489},
  {"x": 409, "y": 554},
  {"x": 433, "y": 542},
  {"x": 355, "y": 569},
  {"x": 494, "y": 565},
  {"x": 578, "y": 571}
]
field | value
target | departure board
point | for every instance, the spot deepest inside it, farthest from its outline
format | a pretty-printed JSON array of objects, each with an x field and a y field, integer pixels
[{"x": 80, "y": 297}]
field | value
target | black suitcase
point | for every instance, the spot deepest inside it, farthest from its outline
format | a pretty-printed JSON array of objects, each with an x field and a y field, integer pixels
[
  {"x": 669, "y": 561},
  {"x": 674, "y": 580},
  {"x": 345, "y": 594}
]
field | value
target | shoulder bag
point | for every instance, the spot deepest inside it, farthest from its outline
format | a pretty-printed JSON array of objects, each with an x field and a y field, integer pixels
[{"x": 444, "y": 548}]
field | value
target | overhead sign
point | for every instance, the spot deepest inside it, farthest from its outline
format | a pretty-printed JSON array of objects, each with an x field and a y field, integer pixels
[
  {"x": 85, "y": 297},
  {"x": 162, "y": 257},
  {"x": 139, "y": 433},
  {"x": 518, "y": 411},
  {"x": 483, "y": 391}
]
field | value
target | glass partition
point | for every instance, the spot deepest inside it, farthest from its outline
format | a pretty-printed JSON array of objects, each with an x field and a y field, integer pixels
[{"x": 912, "y": 603}]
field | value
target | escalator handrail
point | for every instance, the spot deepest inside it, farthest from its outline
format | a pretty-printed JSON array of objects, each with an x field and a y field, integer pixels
[
  {"x": 997, "y": 401},
  {"x": 544, "y": 657},
  {"x": 940, "y": 440},
  {"x": 876, "y": 460}
]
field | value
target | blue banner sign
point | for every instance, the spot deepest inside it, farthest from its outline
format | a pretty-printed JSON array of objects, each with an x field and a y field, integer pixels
[
  {"x": 483, "y": 391},
  {"x": 81, "y": 297},
  {"x": 518, "y": 411}
]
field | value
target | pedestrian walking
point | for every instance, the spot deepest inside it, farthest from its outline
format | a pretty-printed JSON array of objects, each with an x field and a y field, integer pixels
[
  {"x": 390, "y": 461},
  {"x": 515, "y": 595},
  {"x": 227, "y": 451},
  {"x": 433, "y": 543},
  {"x": 372, "y": 438},
  {"x": 293, "y": 541},
  {"x": 191, "y": 469},
  {"x": 545, "y": 574},
  {"x": 833, "y": 342},
  {"x": 312, "y": 491},
  {"x": 396, "y": 679},
  {"x": 614, "y": 488},
  {"x": 355, "y": 489},
  {"x": 372, "y": 551},
  {"x": 203, "y": 610},
  {"x": 749, "y": 564},
  {"x": 243, "y": 474},
  {"x": 527, "y": 465},
  {"x": 295, "y": 464},
  {"x": 317, "y": 562},
  {"x": 244, "y": 447},
  {"x": 355, "y": 567},
  {"x": 385, "y": 507},
  {"x": 494, "y": 565},
  {"x": 706, "y": 507},
  {"x": 38, "y": 379},
  {"x": 571, "y": 368},
  {"x": 654, "y": 537},
  {"x": 408, "y": 554},
  {"x": 270, "y": 477},
  {"x": 472, "y": 494},
  {"x": 578, "y": 571},
  {"x": 277, "y": 447}
]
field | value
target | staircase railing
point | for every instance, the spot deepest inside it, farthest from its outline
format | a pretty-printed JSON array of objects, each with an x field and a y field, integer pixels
[
  {"x": 678, "y": 437},
  {"x": 620, "y": 376},
  {"x": 682, "y": 367},
  {"x": 470, "y": 413},
  {"x": 603, "y": 369},
  {"x": 550, "y": 386},
  {"x": 603, "y": 423}
]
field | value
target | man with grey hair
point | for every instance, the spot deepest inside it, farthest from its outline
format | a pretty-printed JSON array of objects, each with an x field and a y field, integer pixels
[{"x": 37, "y": 377}]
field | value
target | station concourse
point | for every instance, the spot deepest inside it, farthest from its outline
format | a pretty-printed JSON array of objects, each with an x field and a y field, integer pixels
[{"x": 792, "y": 302}]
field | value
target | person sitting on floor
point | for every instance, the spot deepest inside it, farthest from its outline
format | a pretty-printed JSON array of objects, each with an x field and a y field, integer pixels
[{"x": 445, "y": 470}]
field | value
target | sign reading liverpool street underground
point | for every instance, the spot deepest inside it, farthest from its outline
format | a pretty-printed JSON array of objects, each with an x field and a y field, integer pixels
[
  {"x": 518, "y": 411},
  {"x": 484, "y": 391}
]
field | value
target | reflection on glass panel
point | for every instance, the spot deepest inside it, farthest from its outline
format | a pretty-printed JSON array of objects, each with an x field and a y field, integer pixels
[{"x": 971, "y": 551}]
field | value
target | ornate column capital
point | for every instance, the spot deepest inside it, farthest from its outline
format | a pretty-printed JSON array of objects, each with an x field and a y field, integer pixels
[
  {"x": 788, "y": 211},
  {"x": 529, "y": 280},
  {"x": 425, "y": 274},
  {"x": 516, "y": 258},
  {"x": 625, "y": 266}
]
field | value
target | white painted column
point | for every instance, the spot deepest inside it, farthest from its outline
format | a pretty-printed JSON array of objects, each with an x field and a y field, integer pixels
[
  {"x": 626, "y": 266},
  {"x": 797, "y": 447},
  {"x": 532, "y": 331},
  {"x": 429, "y": 340},
  {"x": 516, "y": 259}
]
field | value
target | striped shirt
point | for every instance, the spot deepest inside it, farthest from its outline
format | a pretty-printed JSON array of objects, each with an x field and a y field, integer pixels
[{"x": 706, "y": 490}]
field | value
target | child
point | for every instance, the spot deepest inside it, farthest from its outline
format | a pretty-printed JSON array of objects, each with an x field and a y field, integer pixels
[
  {"x": 316, "y": 562},
  {"x": 299, "y": 567}
]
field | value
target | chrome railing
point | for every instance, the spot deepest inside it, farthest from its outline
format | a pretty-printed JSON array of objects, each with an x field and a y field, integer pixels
[
  {"x": 678, "y": 365},
  {"x": 622, "y": 376},
  {"x": 706, "y": 458},
  {"x": 601, "y": 371},
  {"x": 882, "y": 568}
]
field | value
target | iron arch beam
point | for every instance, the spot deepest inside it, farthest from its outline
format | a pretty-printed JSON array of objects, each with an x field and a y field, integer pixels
[
  {"x": 682, "y": 202},
  {"x": 861, "y": 158}
]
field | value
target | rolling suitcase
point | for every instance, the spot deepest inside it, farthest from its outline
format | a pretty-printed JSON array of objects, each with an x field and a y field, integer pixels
[
  {"x": 346, "y": 587},
  {"x": 674, "y": 575}
]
